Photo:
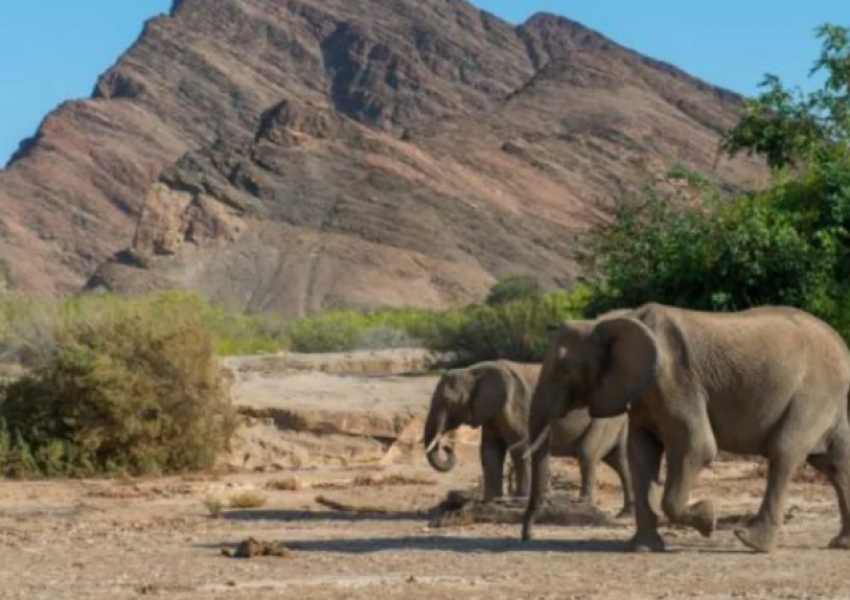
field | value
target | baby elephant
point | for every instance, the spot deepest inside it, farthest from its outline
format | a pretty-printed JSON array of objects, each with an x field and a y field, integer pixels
[{"x": 496, "y": 396}]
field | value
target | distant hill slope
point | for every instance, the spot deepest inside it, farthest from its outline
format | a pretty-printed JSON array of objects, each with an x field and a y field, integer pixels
[{"x": 292, "y": 155}]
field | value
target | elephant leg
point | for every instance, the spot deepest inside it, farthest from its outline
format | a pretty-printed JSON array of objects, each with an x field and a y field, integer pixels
[
  {"x": 587, "y": 468},
  {"x": 588, "y": 454},
  {"x": 493, "y": 453},
  {"x": 644, "y": 453},
  {"x": 618, "y": 460},
  {"x": 685, "y": 460},
  {"x": 521, "y": 474},
  {"x": 761, "y": 533},
  {"x": 835, "y": 465}
]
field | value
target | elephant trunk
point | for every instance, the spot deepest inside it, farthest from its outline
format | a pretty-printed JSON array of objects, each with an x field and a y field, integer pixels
[
  {"x": 539, "y": 429},
  {"x": 433, "y": 432}
]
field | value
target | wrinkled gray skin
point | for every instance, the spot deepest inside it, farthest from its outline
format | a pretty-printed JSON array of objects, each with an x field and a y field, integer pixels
[
  {"x": 769, "y": 381},
  {"x": 496, "y": 397}
]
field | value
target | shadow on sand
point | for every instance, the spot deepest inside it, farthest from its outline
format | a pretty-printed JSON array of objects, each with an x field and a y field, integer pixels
[{"x": 444, "y": 544}]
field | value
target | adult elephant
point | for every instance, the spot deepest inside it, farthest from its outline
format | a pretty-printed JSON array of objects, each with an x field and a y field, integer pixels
[
  {"x": 496, "y": 397},
  {"x": 768, "y": 381}
]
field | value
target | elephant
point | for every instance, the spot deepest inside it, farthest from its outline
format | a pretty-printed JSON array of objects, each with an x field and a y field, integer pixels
[
  {"x": 495, "y": 396},
  {"x": 768, "y": 381}
]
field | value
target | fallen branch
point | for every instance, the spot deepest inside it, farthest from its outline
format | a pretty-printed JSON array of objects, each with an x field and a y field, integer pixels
[
  {"x": 345, "y": 507},
  {"x": 251, "y": 547},
  {"x": 463, "y": 508}
]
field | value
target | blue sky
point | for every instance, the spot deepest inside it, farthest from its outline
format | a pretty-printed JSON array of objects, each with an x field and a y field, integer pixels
[{"x": 53, "y": 50}]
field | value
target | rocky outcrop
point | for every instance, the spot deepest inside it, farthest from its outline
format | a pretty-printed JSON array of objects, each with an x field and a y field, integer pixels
[
  {"x": 298, "y": 155},
  {"x": 357, "y": 408}
]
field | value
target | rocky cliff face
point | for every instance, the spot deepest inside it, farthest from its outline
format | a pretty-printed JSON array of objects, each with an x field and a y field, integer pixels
[{"x": 297, "y": 154}]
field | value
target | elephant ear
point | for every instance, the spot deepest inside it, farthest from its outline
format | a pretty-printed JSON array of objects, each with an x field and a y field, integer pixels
[
  {"x": 491, "y": 393},
  {"x": 628, "y": 364}
]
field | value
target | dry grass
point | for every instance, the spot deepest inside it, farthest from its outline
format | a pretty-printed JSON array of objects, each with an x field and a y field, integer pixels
[
  {"x": 376, "y": 481},
  {"x": 288, "y": 484},
  {"x": 338, "y": 484},
  {"x": 214, "y": 507},
  {"x": 246, "y": 500},
  {"x": 390, "y": 480},
  {"x": 119, "y": 493}
]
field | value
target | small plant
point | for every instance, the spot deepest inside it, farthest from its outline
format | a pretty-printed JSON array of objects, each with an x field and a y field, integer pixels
[
  {"x": 692, "y": 178},
  {"x": 214, "y": 507},
  {"x": 246, "y": 500},
  {"x": 288, "y": 484},
  {"x": 519, "y": 287},
  {"x": 123, "y": 478}
]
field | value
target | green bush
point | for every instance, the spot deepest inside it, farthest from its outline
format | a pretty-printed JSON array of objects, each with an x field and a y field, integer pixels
[
  {"x": 514, "y": 330},
  {"x": 127, "y": 386},
  {"x": 513, "y": 288},
  {"x": 713, "y": 256},
  {"x": 345, "y": 330},
  {"x": 232, "y": 332},
  {"x": 27, "y": 328}
]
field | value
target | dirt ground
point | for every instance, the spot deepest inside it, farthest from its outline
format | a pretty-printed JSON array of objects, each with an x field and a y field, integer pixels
[{"x": 157, "y": 537}]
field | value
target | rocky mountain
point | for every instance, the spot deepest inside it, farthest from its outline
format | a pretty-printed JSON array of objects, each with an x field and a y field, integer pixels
[{"x": 292, "y": 155}]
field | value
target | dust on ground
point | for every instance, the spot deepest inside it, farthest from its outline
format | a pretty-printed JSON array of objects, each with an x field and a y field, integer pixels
[{"x": 360, "y": 529}]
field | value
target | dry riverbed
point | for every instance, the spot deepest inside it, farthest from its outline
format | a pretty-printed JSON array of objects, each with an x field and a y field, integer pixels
[{"x": 157, "y": 537}]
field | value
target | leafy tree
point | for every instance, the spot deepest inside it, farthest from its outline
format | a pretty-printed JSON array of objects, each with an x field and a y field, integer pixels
[
  {"x": 787, "y": 244},
  {"x": 788, "y": 127}
]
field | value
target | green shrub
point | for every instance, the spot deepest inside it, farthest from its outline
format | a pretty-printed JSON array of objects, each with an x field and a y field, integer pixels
[
  {"x": 515, "y": 330},
  {"x": 127, "y": 387},
  {"x": 232, "y": 332},
  {"x": 27, "y": 327},
  {"x": 345, "y": 330},
  {"x": 513, "y": 288},
  {"x": 713, "y": 256}
]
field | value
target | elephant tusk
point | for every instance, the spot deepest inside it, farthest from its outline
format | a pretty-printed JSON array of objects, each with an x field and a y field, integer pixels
[
  {"x": 515, "y": 445},
  {"x": 537, "y": 443},
  {"x": 433, "y": 444}
]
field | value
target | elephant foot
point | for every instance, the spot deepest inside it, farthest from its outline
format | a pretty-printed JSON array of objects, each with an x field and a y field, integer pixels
[
  {"x": 586, "y": 501},
  {"x": 840, "y": 542},
  {"x": 649, "y": 542},
  {"x": 704, "y": 517},
  {"x": 491, "y": 497},
  {"x": 626, "y": 511},
  {"x": 527, "y": 533},
  {"x": 757, "y": 536}
]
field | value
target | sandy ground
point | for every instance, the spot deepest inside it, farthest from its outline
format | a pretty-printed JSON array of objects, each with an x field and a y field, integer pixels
[
  {"x": 124, "y": 539},
  {"x": 155, "y": 537}
]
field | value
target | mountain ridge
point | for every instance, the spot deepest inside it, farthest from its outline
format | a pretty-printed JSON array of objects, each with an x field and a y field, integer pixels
[{"x": 198, "y": 83}]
